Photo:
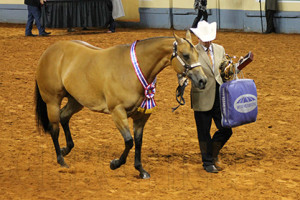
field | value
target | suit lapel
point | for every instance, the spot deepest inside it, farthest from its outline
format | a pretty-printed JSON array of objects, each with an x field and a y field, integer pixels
[
  {"x": 204, "y": 57},
  {"x": 215, "y": 55},
  {"x": 218, "y": 56}
]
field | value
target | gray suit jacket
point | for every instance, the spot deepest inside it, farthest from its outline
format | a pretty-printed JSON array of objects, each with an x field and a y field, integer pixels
[
  {"x": 271, "y": 5},
  {"x": 203, "y": 100}
]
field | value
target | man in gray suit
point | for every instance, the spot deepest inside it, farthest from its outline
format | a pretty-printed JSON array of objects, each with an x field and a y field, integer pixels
[
  {"x": 271, "y": 6},
  {"x": 206, "y": 102}
]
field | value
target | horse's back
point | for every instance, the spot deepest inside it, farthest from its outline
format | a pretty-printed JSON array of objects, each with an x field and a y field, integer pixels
[
  {"x": 86, "y": 44},
  {"x": 79, "y": 55}
]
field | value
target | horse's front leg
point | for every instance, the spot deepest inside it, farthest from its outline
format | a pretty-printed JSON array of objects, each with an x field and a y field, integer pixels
[
  {"x": 119, "y": 116},
  {"x": 138, "y": 127}
]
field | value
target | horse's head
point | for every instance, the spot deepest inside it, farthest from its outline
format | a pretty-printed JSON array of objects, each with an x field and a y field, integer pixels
[{"x": 185, "y": 60}]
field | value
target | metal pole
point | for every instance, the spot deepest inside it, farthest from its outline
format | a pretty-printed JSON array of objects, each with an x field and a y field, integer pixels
[
  {"x": 218, "y": 14},
  {"x": 171, "y": 14},
  {"x": 262, "y": 29}
]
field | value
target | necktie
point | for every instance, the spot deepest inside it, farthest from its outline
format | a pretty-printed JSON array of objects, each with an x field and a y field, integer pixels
[{"x": 209, "y": 56}]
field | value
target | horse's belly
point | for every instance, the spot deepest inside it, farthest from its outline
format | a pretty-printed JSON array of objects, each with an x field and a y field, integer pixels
[
  {"x": 101, "y": 109},
  {"x": 97, "y": 106},
  {"x": 92, "y": 102}
]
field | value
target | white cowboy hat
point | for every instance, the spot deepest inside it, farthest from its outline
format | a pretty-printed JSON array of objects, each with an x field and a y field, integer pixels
[{"x": 205, "y": 31}]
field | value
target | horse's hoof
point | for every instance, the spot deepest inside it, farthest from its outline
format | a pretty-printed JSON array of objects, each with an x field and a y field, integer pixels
[
  {"x": 65, "y": 165},
  {"x": 114, "y": 164},
  {"x": 64, "y": 151},
  {"x": 144, "y": 175},
  {"x": 62, "y": 163}
]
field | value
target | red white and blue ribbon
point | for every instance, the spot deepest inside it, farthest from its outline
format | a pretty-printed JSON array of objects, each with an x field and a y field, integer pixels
[{"x": 148, "y": 103}]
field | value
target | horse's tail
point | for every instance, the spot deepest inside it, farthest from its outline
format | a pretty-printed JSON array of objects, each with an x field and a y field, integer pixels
[{"x": 41, "y": 110}]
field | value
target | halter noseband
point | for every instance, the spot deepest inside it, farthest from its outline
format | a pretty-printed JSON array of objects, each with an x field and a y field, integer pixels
[{"x": 182, "y": 62}]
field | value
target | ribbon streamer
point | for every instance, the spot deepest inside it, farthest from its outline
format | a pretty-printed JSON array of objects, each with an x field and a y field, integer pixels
[{"x": 148, "y": 103}]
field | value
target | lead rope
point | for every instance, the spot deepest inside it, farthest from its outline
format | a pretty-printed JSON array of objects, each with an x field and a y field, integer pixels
[{"x": 179, "y": 95}]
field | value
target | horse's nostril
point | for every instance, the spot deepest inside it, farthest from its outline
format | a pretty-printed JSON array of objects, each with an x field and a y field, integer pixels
[{"x": 202, "y": 83}]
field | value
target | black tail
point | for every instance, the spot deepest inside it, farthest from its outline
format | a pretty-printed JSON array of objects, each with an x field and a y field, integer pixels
[{"x": 41, "y": 111}]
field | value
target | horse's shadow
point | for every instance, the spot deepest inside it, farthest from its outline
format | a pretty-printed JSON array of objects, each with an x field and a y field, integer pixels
[{"x": 238, "y": 157}]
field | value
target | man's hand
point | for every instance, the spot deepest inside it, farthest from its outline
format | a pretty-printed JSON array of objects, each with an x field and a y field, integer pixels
[
  {"x": 196, "y": 5},
  {"x": 227, "y": 69},
  {"x": 42, "y": 1},
  {"x": 203, "y": 8}
]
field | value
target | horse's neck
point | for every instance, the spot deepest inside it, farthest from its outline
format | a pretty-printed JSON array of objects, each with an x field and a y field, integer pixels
[{"x": 154, "y": 55}]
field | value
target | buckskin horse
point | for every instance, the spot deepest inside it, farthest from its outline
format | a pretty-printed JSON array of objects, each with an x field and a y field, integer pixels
[{"x": 112, "y": 81}]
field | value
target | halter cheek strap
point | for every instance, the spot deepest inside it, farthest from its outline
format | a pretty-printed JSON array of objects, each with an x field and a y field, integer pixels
[
  {"x": 148, "y": 103},
  {"x": 182, "y": 62},
  {"x": 180, "y": 89}
]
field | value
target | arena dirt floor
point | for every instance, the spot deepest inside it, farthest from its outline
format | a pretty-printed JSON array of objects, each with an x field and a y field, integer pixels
[{"x": 261, "y": 160}]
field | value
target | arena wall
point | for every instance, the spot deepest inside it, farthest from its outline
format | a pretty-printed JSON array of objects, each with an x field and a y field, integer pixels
[{"x": 178, "y": 14}]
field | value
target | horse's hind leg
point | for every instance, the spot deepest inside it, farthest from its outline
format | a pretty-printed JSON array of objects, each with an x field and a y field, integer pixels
[
  {"x": 119, "y": 116},
  {"x": 53, "y": 115},
  {"x": 66, "y": 113},
  {"x": 138, "y": 127}
]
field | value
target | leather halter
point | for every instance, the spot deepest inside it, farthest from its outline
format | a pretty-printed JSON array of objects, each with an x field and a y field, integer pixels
[{"x": 182, "y": 62}]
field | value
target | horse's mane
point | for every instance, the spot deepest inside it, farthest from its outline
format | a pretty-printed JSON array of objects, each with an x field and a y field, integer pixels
[{"x": 152, "y": 38}]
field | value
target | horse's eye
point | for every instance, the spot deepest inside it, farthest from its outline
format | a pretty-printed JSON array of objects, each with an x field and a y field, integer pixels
[{"x": 186, "y": 56}]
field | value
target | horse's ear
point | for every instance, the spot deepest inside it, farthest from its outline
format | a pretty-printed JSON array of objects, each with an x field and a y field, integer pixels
[
  {"x": 178, "y": 39},
  {"x": 188, "y": 36}
]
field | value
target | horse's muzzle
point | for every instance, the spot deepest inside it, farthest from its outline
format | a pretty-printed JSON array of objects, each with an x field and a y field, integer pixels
[
  {"x": 197, "y": 77},
  {"x": 199, "y": 83}
]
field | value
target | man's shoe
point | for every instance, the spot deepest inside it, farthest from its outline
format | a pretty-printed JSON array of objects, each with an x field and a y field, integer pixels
[
  {"x": 30, "y": 35},
  {"x": 48, "y": 33},
  {"x": 71, "y": 30},
  {"x": 211, "y": 169},
  {"x": 267, "y": 32},
  {"x": 44, "y": 34}
]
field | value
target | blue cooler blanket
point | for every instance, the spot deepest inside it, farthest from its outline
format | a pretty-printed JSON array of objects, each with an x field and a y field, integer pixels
[{"x": 238, "y": 102}]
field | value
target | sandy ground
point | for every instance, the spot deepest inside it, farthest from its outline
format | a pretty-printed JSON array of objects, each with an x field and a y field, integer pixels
[{"x": 261, "y": 160}]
